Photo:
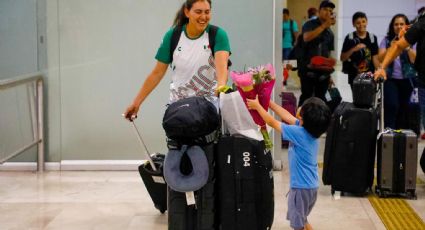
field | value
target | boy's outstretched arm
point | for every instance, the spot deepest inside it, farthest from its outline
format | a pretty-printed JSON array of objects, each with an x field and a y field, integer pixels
[
  {"x": 269, "y": 119},
  {"x": 286, "y": 116}
]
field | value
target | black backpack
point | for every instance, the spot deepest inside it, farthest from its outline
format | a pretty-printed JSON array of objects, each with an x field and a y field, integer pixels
[
  {"x": 192, "y": 120},
  {"x": 175, "y": 37},
  {"x": 297, "y": 51}
]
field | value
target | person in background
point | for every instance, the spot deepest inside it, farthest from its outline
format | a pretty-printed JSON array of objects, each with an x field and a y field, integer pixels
[
  {"x": 400, "y": 74},
  {"x": 190, "y": 59},
  {"x": 289, "y": 35},
  {"x": 318, "y": 40},
  {"x": 406, "y": 38},
  {"x": 359, "y": 52},
  {"x": 302, "y": 131},
  {"x": 312, "y": 13}
]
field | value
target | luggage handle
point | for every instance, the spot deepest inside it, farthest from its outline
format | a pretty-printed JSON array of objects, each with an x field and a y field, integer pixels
[
  {"x": 139, "y": 137},
  {"x": 381, "y": 105}
]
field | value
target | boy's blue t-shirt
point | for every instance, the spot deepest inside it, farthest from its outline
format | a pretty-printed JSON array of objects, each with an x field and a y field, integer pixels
[{"x": 302, "y": 156}]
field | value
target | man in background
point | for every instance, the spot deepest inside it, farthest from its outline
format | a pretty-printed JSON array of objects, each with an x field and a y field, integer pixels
[{"x": 289, "y": 34}]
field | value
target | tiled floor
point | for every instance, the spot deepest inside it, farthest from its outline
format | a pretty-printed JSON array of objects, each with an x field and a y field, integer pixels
[{"x": 119, "y": 201}]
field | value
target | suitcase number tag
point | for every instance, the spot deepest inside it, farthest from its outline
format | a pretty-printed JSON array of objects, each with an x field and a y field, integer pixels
[{"x": 246, "y": 159}]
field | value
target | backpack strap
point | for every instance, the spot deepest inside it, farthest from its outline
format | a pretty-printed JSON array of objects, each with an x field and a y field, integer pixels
[
  {"x": 212, "y": 33},
  {"x": 372, "y": 36},
  {"x": 291, "y": 25},
  {"x": 351, "y": 36},
  {"x": 175, "y": 37},
  {"x": 211, "y": 37}
]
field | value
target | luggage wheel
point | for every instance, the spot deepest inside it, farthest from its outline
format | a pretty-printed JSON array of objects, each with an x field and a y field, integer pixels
[
  {"x": 383, "y": 194},
  {"x": 411, "y": 195}
]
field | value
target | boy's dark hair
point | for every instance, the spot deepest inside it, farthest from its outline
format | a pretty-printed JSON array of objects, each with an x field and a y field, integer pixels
[
  {"x": 285, "y": 11},
  {"x": 357, "y": 15},
  {"x": 316, "y": 116}
]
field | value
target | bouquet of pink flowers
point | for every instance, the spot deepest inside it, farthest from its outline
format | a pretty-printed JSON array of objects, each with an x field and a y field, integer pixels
[{"x": 257, "y": 81}]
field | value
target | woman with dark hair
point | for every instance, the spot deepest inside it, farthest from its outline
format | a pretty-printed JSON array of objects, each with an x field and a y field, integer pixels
[
  {"x": 401, "y": 75},
  {"x": 196, "y": 69}
]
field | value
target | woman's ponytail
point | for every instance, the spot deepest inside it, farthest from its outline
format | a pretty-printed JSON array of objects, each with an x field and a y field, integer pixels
[{"x": 181, "y": 18}]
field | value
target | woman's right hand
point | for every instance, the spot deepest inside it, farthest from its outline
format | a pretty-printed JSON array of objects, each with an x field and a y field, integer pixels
[{"x": 131, "y": 112}]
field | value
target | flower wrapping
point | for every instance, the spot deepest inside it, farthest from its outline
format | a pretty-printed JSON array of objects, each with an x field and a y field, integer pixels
[{"x": 257, "y": 81}]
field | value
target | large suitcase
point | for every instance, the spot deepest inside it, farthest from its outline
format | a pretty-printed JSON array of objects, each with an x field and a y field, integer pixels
[
  {"x": 152, "y": 176},
  {"x": 397, "y": 163},
  {"x": 364, "y": 90},
  {"x": 350, "y": 149},
  {"x": 201, "y": 215},
  {"x": 289, "y": 102},
  {"x": 245, "y": 186}
]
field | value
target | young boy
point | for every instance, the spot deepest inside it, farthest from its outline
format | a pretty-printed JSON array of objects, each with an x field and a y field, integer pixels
[
  {"x": 302, "y": 132},
  {"x": 359, "y": 52}
]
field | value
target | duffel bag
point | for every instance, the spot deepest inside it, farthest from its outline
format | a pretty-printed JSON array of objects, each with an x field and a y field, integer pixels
[{"x": 191, "y": 120}]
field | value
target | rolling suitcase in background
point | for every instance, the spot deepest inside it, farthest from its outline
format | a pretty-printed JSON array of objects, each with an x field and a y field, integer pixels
[
  {"x": 289, "y": 102},
  {"x": 152, "y": 175},
  {"x": 397, "y": 158},
  {"x": 350, "y": 149},
  {"x": 245, "y": 189},
  {"x": 397, "y": 163}
]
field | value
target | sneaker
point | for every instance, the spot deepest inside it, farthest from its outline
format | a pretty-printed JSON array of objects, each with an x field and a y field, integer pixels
[{"x": 423, "y": 136}]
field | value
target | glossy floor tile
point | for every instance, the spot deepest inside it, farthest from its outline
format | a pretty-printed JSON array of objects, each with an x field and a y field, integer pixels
[{"x": 118, "y": 200}]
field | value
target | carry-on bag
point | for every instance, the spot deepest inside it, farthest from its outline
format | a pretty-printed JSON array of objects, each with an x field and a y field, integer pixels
[
  {"x": 397, "y": 163},
  {"x": 152, "y": 175},
  {"x": 364, "y": 90},
  {"x": 397, "y": 157},
  {"x": 350, "y": 149},
  {"x": 289, "y": 102},
  {"x": 244, "y": 186}
]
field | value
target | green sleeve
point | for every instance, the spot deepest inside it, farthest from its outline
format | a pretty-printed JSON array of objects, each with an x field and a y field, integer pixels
[
  {"x": 221, "y": 41},
  {"x": 163, "y": 53}
]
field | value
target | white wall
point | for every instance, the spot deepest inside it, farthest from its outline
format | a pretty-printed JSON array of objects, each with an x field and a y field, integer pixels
[
  {"x": 18, "y": 37},
  {"x": 99, "y": 53},
  {"x": 18, "y": 55}
]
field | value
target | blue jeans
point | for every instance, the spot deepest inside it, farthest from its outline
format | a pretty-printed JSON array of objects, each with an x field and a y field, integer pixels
[
  {"x": 285, "y": 53},
  {"x": 396, "y": 99}
]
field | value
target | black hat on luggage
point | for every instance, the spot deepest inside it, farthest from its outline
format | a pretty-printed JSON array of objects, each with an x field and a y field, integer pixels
[{"x": 179, "y": 181}]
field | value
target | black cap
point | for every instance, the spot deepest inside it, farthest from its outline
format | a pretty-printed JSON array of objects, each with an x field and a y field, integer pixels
[{"x": 327, "y": 4}]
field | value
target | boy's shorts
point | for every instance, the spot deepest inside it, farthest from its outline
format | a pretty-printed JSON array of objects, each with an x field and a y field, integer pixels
[{"x": 300, "y": 204}]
